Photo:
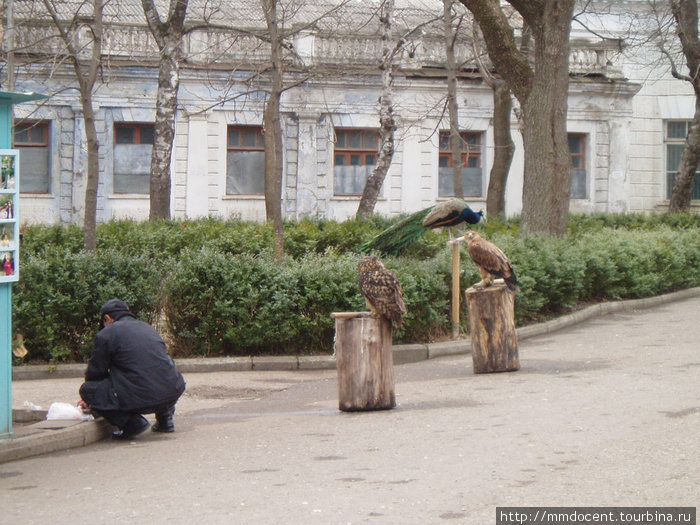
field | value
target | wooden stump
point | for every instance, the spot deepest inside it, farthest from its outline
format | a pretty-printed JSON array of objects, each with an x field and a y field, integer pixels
[
  {"x": 364, "y": 361},
  {"x": 492, "y": 324}
]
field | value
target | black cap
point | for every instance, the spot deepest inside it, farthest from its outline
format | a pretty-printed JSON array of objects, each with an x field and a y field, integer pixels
[{"x": 114, "y": 306}]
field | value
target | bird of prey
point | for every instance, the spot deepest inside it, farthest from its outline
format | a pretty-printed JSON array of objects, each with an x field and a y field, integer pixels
[
  {"x": 381, "y": 290},
  {"x": 400, "y": 236},
  {"x": 491, "y": 260}
]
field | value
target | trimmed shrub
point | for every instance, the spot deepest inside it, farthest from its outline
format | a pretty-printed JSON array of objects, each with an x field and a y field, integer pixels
[
  {"x": 218, "y": 303},
  {"x": 58, "y": 298},
  {"x": 222, "y": 292}
]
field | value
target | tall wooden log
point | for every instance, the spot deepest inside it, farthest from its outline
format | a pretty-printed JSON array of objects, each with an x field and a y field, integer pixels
[
  {"x": 364, "y": 362},
  {"x": 492, "y": 324}
]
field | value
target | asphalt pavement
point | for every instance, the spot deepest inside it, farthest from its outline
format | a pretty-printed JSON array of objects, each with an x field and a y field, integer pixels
[{"x": 604, "y": 411}]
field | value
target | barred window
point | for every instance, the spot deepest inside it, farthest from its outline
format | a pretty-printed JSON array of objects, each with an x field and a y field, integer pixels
[
  {"x": 472, "y": 174},
  {"x": 133, "y": 145},
  {"x": 31, "y": 138},
  {"x": 245, "y": 161},
  {"x": 355, "y": 155},
  {"x": 577, "y": 147},
  {"x": 676, "y": 133}
]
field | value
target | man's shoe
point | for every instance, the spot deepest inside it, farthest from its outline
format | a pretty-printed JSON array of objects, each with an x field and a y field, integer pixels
[
  {"x": 136, "y": 425},
  {"x": 164, "y": 424}
]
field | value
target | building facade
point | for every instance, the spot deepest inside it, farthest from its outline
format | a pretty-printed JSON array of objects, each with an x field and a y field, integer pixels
[{"x": 627, "y": 118}]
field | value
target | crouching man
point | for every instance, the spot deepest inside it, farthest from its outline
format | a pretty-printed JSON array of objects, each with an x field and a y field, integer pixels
[{"x": 129, "y": 374}]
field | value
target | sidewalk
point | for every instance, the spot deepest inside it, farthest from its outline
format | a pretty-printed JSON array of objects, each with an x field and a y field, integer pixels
[{"x": 40, "y": 385}]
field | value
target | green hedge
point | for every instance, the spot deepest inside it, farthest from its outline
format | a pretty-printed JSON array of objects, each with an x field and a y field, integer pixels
[
  {"x": 218, "y": 291},
  {"x": 57, "y": 301}
]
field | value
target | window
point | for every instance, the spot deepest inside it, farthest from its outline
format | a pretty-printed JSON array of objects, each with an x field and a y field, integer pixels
[
  {"x": 355, "y": 158},
  {"x": 133, "y": 144},
  {"x": 32, "y": 140},
  {"x": 577, "y": 147},
  {"x": 245, "y": 161},
  {"x": 676, "y": 132},
  {"x": 471, "y": 165}
]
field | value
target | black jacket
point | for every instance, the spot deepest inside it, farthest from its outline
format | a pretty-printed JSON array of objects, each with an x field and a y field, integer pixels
[{"x": 131, "y": 361}]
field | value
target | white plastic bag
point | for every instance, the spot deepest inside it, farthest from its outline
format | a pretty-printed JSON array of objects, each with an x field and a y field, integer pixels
[{"x": 66, "y": 411}]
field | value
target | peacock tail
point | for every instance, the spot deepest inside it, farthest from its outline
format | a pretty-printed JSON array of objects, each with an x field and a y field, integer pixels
[{"x": 399, "y": 236}]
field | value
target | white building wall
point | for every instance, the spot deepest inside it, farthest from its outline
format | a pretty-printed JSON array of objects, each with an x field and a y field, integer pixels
[
  {"x": 625, "y": 148},
  {"x": 660, "y": 98}
]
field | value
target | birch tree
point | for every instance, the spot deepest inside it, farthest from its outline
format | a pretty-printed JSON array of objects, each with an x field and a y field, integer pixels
[
  {"x": 168, "y": 35},
  {"x": 387, "y": 122}
]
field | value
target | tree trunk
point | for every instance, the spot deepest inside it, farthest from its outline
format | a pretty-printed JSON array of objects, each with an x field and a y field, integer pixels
[
  {"x": 364, "y": 361},
  {"x": 386, "y": 118},
  {"x": 86, "y": 74},
  {"x": 504, "y": 149},
  {"x": 93, "y": 170},
  {"x": 686, "y": 14},
  {"x": 273, "y": 170},
  {"x": 542, "y": 92},
  {"x": 452, "y": 104},
  {"x": 168, "y": 36},
  {"x": 492, "y": 329},
  {"x": 273, "y": 131},
  {"x": 164, "y": 133},
  {"x": 547, "y": 174}
]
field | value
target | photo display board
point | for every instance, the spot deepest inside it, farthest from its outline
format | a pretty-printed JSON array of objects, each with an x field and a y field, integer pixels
[{"x": 9, "y": 220}]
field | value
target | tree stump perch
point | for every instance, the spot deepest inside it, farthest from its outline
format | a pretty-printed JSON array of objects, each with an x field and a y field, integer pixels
[
  {"x": 492, "y": 326},
  {"x": 364, "y": 362}
]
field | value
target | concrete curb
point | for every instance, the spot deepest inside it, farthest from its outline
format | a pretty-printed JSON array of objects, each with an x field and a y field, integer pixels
[
  {"x": 40, "y": 438},
  {"x": 403, "y": 354},
  {"x": 45, "y": 437}
]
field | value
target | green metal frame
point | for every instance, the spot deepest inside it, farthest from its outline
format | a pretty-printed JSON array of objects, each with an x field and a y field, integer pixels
[{"x": 7, "y": 100}]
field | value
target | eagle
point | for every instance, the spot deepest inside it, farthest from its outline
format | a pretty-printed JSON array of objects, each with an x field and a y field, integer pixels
[
  {"x": 491, "y": 260},
  {"x": 381, "y": 289}
]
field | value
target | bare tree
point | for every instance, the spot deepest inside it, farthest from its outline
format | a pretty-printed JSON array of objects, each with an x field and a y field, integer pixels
[
  {"x": 284, "y": 20},
  {"x": 386, "y": 115},
  {"x": 168, "y": 35},
  {"x": 685, "y": 13},
  {"x": 392, "y": 46},
  {"x": 504, "y": 147},
  {"x": 82, "y": 36},
  {"x": 542, "y": 90},
  {"x": 448, "y": 18},
  {"x": 273, "y": 127}
]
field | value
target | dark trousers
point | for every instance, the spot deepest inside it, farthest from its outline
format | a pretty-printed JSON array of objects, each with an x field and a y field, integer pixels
[{"x": 119, "y": 418}]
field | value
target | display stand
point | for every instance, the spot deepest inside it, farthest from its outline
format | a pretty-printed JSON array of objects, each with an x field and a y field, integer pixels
[
  {"x": 365, "y": 362},
  {"x": 9, "y": 247}
]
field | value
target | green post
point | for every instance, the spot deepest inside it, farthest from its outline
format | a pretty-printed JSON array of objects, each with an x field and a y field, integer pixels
[{"x": 7, "y": 99}]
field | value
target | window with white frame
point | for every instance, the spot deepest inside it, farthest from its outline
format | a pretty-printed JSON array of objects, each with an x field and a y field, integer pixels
[
  {"x": 245, "y": 161},
  {"x": 355, "y": 157},
  {"x": 133, "y": 145},
  {"x": 31, "y": 138},
  {"x": 577, "y": 148},
  {"x": 472, "y": 175},
  {"x": 676, "y": 133}
]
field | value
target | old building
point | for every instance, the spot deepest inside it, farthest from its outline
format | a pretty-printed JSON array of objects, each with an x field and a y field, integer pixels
[{"x": 627, "y": 116}]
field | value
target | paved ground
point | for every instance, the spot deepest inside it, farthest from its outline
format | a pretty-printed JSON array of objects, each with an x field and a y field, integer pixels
[{"x": 603, "y": 413}]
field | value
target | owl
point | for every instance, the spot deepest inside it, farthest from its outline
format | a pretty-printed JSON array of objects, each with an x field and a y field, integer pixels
[{"x": 381, "y": 290}]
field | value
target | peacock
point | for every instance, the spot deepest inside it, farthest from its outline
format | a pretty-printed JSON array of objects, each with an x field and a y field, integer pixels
[{"x": 396, "y": 238}]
